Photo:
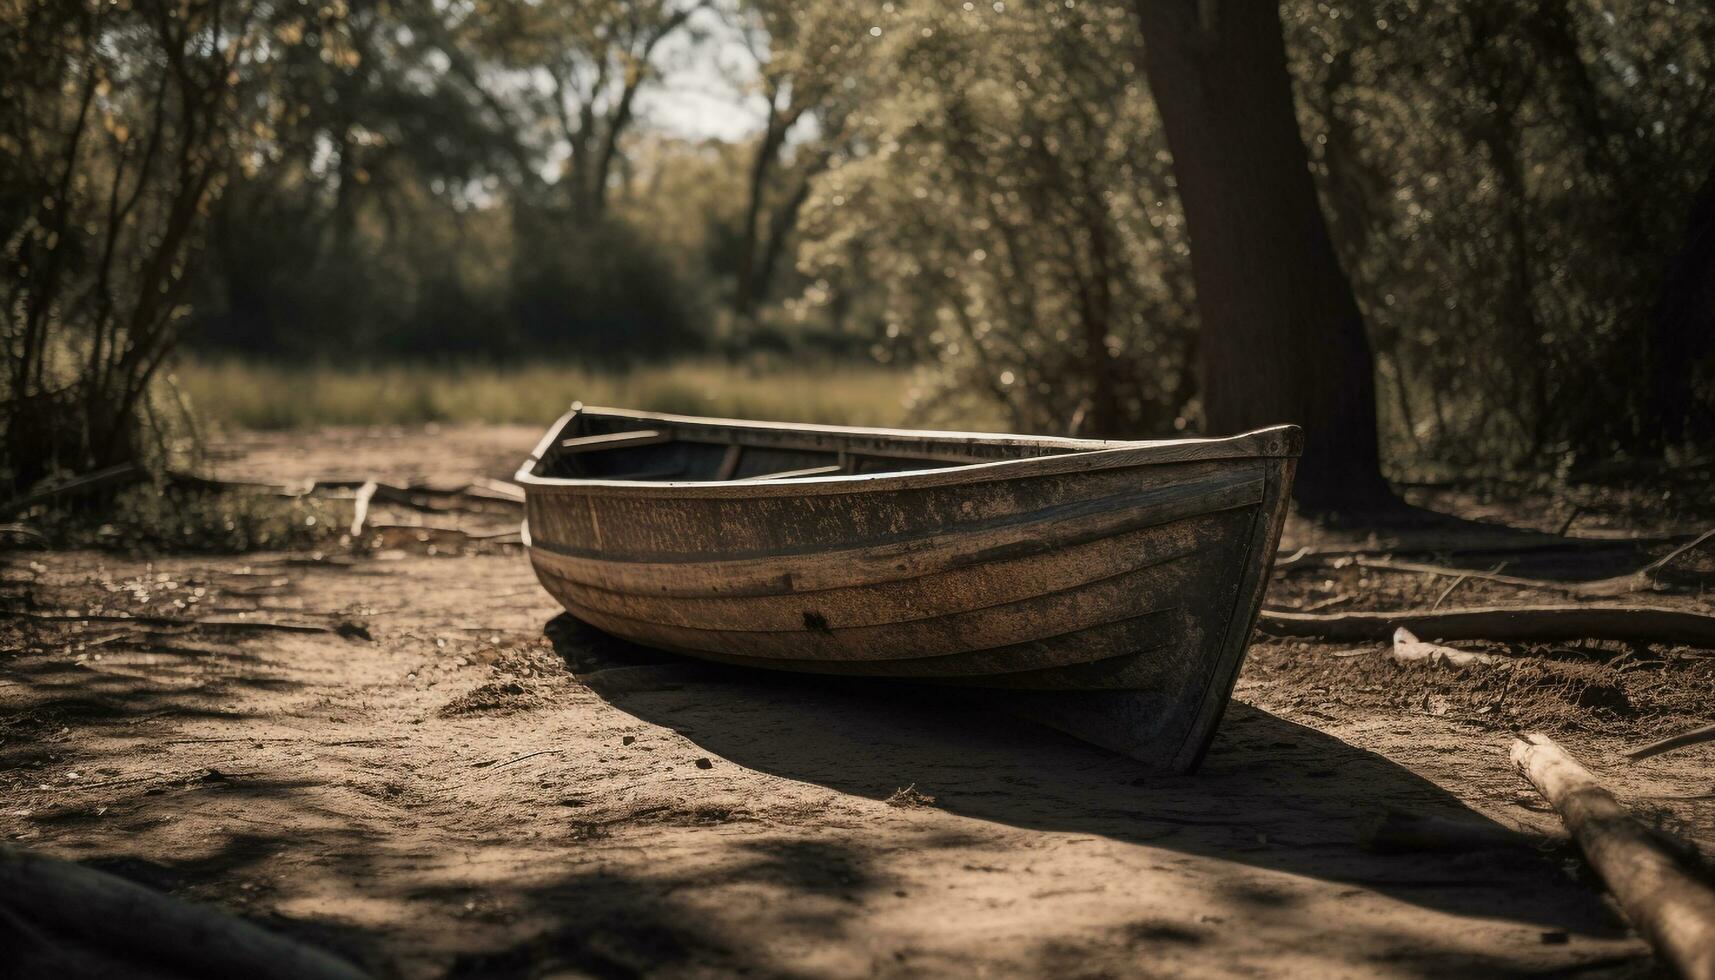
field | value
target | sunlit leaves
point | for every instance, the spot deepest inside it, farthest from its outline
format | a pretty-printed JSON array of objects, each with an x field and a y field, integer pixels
[
  {"x": 1011, "y": 198},
  {"x": 120, "y": 128}
]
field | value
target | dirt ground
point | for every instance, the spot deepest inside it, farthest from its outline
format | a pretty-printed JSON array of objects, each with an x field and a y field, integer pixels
[{"x": 455, "y": 781}]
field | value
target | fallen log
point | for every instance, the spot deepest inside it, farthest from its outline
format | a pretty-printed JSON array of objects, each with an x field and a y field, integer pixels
[
  {"x": 1663, "y": 899},
  {"x": 141, "y": 926},
  {"x": 1680, "y": 741},
  {"x": 1642, "y": 624}
]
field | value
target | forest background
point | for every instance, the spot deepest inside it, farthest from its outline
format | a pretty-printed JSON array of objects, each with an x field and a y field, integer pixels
[{"x": 273, "y": 214}]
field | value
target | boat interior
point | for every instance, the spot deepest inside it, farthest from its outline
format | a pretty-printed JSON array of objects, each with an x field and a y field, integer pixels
[{"x": 636, "y": 447}]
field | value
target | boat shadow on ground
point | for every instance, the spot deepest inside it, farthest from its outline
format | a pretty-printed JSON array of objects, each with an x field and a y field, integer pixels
[{"x": 1272, "y": 794}]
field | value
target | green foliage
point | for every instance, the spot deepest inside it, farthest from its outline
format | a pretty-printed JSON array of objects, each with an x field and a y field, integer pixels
[
  {"x": 119, "y": 127},
  {"x": 1016, "y": 207},
  {"x": 598, "y": 294},
  {"x": 535, "y": 219},
  {"x": 981, "y": 189},
  {"x": 1508, "y": 183}
]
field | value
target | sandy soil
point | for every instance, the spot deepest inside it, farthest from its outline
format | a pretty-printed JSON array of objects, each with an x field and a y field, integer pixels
[{"x": 472, "y": 785}]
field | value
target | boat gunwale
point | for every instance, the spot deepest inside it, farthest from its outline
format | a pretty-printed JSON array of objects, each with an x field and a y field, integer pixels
[
  {"x": 1214, "y": 494},
  {"x": 1273, "y": 442}
]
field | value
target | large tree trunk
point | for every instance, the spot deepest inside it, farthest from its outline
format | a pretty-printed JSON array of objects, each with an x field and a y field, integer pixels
[
  {"x": 780, "y": 227},
  {"x": 1683, "y": 327},
  {"x": 749, "y": 285},
  {"x": 1282, "y": 337}
]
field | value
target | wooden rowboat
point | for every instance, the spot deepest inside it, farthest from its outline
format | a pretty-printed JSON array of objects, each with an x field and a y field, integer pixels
[{"x": 1109, "y": 588}]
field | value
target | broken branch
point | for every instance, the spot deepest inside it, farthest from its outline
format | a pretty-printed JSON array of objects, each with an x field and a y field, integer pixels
[
  {"x": 1407, "y": 648},
  {"x": 1446, "y": 572},
  {"x": 1644, "y": 624},
  {"x": 1680, "y": 741}
]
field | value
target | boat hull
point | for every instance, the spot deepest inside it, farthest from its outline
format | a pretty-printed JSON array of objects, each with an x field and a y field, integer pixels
[{"x": 1108, "y": 591}]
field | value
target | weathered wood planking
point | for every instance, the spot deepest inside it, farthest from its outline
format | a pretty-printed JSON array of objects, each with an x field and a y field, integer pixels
[
  {"x": 1108, "y": 588},
  {"x": 992, "y": 583}
]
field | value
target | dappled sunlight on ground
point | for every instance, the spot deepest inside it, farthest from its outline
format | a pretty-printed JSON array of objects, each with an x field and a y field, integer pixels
[{"x": 472, "y": 784}]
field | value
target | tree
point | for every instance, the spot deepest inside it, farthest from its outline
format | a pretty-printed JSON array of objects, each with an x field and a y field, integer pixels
[
  {"x": 808, "y": 57},
  {"x": 346, "y": 232},
  {"x": 562, "y": 80},
  {"x": 1009, "y": 195},
  {"x": 120, "y": 128},
  {"x": 1507, "y": 185},
  {"x": 1282, "y": 337},
  {"x": 1683, "y": 328}
]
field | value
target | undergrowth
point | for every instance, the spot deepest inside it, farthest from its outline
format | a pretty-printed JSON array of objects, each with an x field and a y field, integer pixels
[
  {"x": 246, "y": 395},
  {"x": 162, "y": 517}
]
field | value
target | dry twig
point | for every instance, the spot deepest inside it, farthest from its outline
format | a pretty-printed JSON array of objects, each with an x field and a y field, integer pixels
[
  {"x": 1680, "y": 741},
  {"x": 491, "y": 765}
]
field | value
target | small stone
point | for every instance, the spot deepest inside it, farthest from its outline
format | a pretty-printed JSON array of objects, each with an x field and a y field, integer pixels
[
  {"x": 627, "y": 740},
  {"x": 705, "y": 764}
]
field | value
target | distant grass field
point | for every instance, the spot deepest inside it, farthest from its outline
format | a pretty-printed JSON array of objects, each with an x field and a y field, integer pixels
[{"x": 249, "y": 395}]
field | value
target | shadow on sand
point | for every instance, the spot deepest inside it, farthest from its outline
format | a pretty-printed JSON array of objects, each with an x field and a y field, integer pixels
[{"x": 1271, "y": 794}]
